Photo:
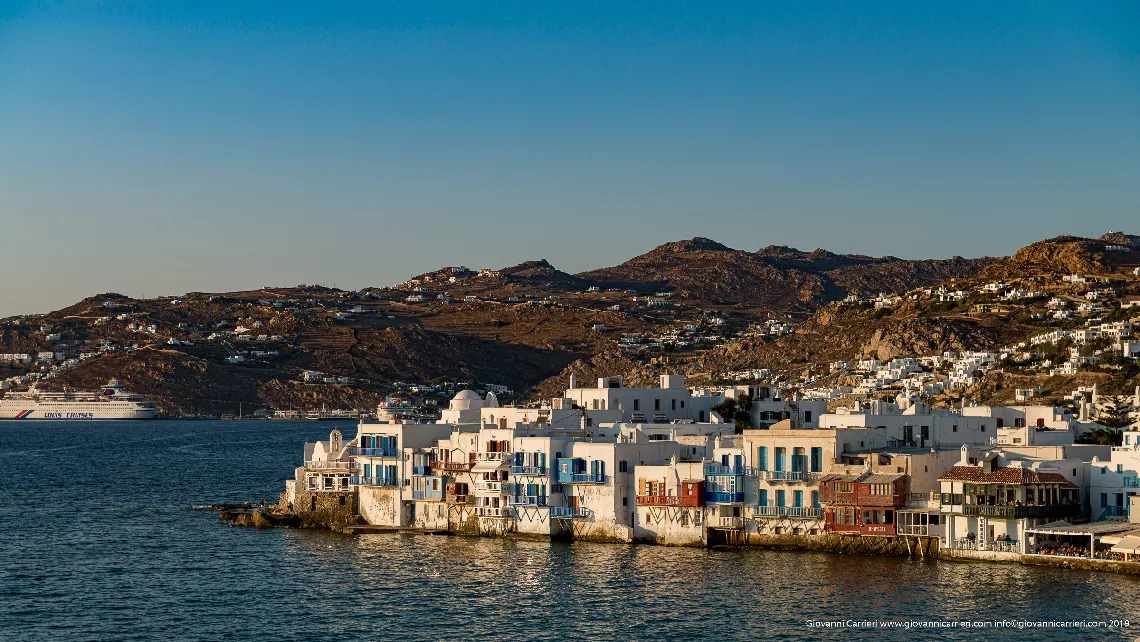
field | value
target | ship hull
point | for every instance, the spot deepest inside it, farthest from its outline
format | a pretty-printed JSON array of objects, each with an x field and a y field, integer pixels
[{"x": 72, "y": 412}]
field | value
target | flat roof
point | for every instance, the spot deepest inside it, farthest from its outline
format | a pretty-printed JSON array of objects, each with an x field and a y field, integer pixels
[{"x": 1095, "y": 528}]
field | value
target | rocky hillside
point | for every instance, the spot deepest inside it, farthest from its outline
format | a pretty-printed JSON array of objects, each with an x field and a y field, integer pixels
[
  {"x": 775, "y": 277},
  {"x": 528, "y": 327}
]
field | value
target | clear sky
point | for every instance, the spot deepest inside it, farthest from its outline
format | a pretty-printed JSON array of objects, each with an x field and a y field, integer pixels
[{"x": 157, "y": 148}]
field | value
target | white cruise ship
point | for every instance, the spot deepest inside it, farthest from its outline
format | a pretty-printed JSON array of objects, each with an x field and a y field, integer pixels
[{"x": 111, "y": 402}]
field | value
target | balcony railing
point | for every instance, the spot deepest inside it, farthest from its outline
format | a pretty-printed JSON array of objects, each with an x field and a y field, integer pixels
[
  {"x": 731, "y": 523},
  {"x": 791, "y": 512},
  {"x": 526, "y": 500},
  {"x": 456, "y": 465},
  {"x": 982, "y": 545},
  {"x": 328, "y": 465},
  {"x": 658, "y": 500},
  {"x": 421, "y": 470},
  {"x": 1114, "y": 511},
  {"x": 355, "y": 451},
  {"x": 914, "y": 529},
  {"x": 427, "y": 494},
  {"x": 567, "y": 512},
  {"x": 532, "y": 471},
  {"x": 461, "y": 499},
  {"x": 788, "y": 476},
  {"x": 1132, "y": 482},
  {"x": 723, "y": 469},
  {"x": 581, "y": 478},
  {"x": 372, "y": 481},
  {"x": 1021, "y": 512},
  {"x": 489, "y": 486},
  {"x": 495, "y": 457},
  {"x": 724, "y": 498},
  {"x": 492, "y": 511}
]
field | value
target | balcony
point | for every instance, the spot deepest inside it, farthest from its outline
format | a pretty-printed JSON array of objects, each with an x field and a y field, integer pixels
[
  {"x": 790, "y": 512},
  {"x": 421, "y": 471},
  {"x": 372, "y": 481},
  {"x": 489, "y": 487},
  {"x": 658, "y": 500},
  {"x": 329, "y": 465},
  {"x": 493, "y": 457},
  {"x": 569, "y": 512},
  {"x": 914, "y": 529},
  {"x": 581, "y": 478},
  {"x": 789, "y": 476},
  {"x": 460, "y": 499},
  {"x": 456, "y": 466},
  {"x": 504, "y": 512},
  {"x": 1022, "y": 512},
  {"x": 1132, "y": 482},
  {"x": 529, "y": 471},
  {"x": 722, "y": 469},
  {"x": 427, "y": 494},
  {"x": 1114, "y": 511},
  {"x": 727, "y": 523},
  {"x": 724, "y": 498},
  {"x": 527, "y": 500},
  {"x": 354, "y": 451}
]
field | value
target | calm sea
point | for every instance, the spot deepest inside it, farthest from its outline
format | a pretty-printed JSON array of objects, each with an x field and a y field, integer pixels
[{"x": 100, "y": 540}]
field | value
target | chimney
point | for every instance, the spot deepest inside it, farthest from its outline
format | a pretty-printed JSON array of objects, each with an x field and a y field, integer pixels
[
  {"x": 573, "y": 381},
  {"x": 1084, "y": 416}
]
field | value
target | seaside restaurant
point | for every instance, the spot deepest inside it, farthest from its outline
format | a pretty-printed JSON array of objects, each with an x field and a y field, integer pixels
[{"x": 1096, "y": 540}]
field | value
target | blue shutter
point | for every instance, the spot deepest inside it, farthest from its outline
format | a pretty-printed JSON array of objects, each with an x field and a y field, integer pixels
[
  {"x": 762, "y": 456},
  {"x": 780, "y": 459},
  {"x": 816, "y": 459},
  {"x": 542, "y": 460},
  {"x": 799, "y": 499},
  {"x": 815, "y": 499},
  {"x": 780, "y": 497},
  {"x": 763, "y": 497},
  {"x": 518, "y": 459},
  {"x": 738, "y": 462}
]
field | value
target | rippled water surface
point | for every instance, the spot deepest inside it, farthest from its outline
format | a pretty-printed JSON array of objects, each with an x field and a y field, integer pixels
[{"x": 99, "y": 540}]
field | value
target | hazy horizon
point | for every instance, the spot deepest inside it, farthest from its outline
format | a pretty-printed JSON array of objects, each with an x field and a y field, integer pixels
[{"x": 165, "y": 147}]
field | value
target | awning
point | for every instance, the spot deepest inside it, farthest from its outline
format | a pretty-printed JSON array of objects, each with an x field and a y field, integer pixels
[
  {"x": 1129, "y": 544},
  {"x": 484, "y": 466}
]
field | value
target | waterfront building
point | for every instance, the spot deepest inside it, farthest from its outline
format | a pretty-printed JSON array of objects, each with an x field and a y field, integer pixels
[{"x": 990, "y": 506}]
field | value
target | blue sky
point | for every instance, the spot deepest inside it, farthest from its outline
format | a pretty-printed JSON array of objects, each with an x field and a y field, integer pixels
[{"x": 161, "y": 147}]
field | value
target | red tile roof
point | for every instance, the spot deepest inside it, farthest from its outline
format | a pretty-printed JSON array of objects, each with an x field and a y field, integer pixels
[{"x": 1004, "y": 475}]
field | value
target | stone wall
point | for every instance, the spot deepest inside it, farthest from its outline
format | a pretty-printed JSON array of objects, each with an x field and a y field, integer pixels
[{"x": 333, "y": 510}]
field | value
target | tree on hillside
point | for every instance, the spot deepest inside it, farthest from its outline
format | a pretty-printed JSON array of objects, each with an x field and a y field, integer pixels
[{"x": 1114, "y": 412}]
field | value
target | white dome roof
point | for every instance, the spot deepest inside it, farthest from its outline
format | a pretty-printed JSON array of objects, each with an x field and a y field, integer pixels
[{"x": 466, "y": 400}]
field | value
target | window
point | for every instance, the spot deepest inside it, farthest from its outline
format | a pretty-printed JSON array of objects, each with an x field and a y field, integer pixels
[
  {"x": 762, "y": 458},
  {"x": 623, "y": 466},
  {"x": 798, "y": 499},
  {"x": 672, "y": 404},
  {"x": 807, "y": 416},
  {"x": 815, "y": 499},
  {"x": 1103, "y": 470},
  {"x": 816, "y": 460},
  {"x": 1120, "y": 468},
  {"x": 637, "y": 404},
  {"x": 657, "y": 404},
  {"x": 955, "y": 428},
  {"x": 763, "y": 497},
  {"x": 781, "y": 497},
  {"x": 682, "y": 403},
  {"x": 625, "y": 501},
  {"x": 780, "y": 455},
  {"x": 983, "y": 427},
  {"x": 1104, "y": 500}
]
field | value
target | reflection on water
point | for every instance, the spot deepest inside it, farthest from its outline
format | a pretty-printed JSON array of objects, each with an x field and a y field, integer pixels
[{"x": 100, "y": 542}]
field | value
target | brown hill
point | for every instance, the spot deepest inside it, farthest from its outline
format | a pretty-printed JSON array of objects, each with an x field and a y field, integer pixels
[{"x": 775, "y": 277}]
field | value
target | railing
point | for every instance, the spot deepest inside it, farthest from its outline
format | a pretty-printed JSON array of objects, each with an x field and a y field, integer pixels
[
  {"x": 526, "y": 500},
  {"x": 581, "y": 478},
  {"x": 658, "y": 500},
  {"x": 804, "y": 512},
  {"x": 497, "y": 457},
  {"x": 914, "y": 529},
  {"x": 791, "y": 512},
  {"x": 1009, "y": 546},
  {"x": 457, "y": 465},
  {"x": 421, "y": 470},
  {"x": 539, "y": 471},
  {"x": 329, "y": 465},
  {"x": 427, "y": 494},
  {"x": 733, "y": 523},
  {"x": 567, "y": 512},
  {"x": 489, "y": 486},
  {"x": 1132, "y": 482},
  {"x": 355, "y": 451},
  {"x": 1114, "y": 511},
  {"x": 327, "y": 488},
  {"x": 789, "y": 475},
  {"x": 372, "y": 481},
  {"x": 491, "y": 511},
  {"x": 724, "y": 498},
  {"x": 723, "y": 469},
  {"x": 460, "y": 499},
  {"x": 1019, "y": 512}
]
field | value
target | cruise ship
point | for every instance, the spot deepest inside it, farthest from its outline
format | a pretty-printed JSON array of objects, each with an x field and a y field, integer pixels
[{"x": 111, "y": 402}]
